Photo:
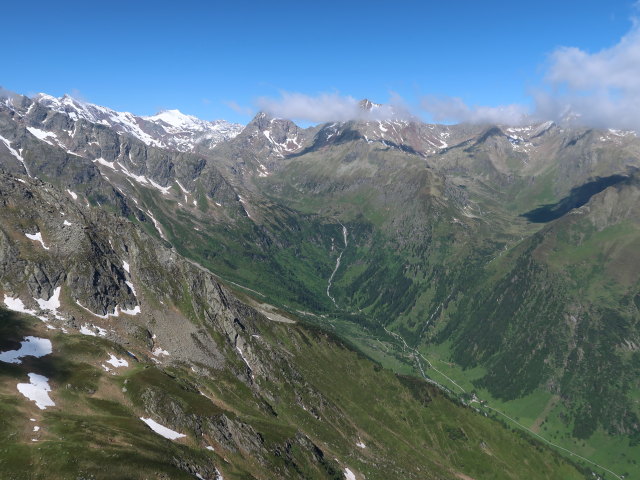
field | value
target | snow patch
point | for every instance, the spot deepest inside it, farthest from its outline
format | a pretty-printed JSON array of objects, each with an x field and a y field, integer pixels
[
  {"x": 184, "y": 190},
  {"x": 37, "y": 391},
  {"x": 164, "y": 190},
  {"x": 159, "y": 351},
  {"x": 125, "y": 265},
  {"x": 42, "y": 135},
  {"x": 16, "y": 154},
  {"x": 74, "y": 195},
  {"x": 114, "y": 314},
  {"x": 284, "y": 146},
  {"x": 134, "y": 311},
  {"x": 348, "y": 474},
  {"x": 156, "y": 224},
  {"x": 245, "y": 361},
  {"x": 29, "y": 347},
  {"x": 162, "y": 430},
  {"x": 16, "y": 305},
  {"x": 102, "y": 161},
  {"x": 38, "y": 238},
  {"x": 45, "y": 136},
  {"x": 263, "y": 172},
  {"x": 53, "y": 304},
  {"x": 86, "y": 329},
  {"x": 141, "y": 179},
  {"x": 130, "y": 285},
  {"x": 244, "y": 203},
  {"x": 117, "y": 362},
  {"x": 66, "y": 223}
]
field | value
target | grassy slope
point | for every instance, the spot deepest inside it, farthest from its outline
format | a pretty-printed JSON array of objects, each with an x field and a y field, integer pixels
[{"x": 410, "y": 430}]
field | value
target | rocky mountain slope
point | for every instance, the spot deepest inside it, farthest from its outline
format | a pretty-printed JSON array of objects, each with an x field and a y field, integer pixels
[
  {"x": 121, "y": 359},
  {"x": 506, "y": 254},
  {"x": 168, "y": 129}
]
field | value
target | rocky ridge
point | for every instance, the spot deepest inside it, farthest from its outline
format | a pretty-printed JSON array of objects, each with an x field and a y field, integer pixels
[{"x": 168, "y": 129}]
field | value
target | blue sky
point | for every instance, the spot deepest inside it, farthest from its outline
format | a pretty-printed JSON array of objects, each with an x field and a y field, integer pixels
[{"x": 222, "y": 60}]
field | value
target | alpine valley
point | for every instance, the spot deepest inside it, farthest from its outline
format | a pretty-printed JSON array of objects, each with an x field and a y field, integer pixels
[{"x": 379, "y": 298}]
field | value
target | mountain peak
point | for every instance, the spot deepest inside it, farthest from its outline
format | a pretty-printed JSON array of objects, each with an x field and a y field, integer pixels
[
  {"x": 368, "y": 105},
  {"x": 264, "y": 120},
  {"x": 174, "y": 117},
  {"x": 66, "y": 100},
  {"x": 44, "y": 97}
]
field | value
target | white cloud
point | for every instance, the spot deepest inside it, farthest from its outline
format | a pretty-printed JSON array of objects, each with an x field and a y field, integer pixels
[
  {"x": 4, "y": 93},
  {"x": 77, "y": 95},
  {"x": 328, "y": 107},
  {"x": 239, "y": 108},
  {"x": 600, "y": 89},
  {"x": 615, "y": 67},
  {"x": 325, "y": 107},
  {"x": 453, "y": 109}
]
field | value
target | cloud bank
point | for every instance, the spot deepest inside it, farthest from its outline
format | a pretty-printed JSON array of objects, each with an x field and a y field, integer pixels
[
  {"x": 453, "y": 109},
  {"x": 322, "y": 108},
  {"x": 239, "y": 108},
  {"x": 4, "y": 93},
  {"x": 329, "y": 107},
  {"x": 600, "y": 89}
]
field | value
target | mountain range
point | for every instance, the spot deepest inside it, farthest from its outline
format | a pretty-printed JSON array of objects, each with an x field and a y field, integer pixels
[{"x": 285, "y": 294}]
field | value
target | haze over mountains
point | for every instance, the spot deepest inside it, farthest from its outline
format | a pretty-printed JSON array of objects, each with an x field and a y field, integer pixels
[{"x": 499, "y": 262}]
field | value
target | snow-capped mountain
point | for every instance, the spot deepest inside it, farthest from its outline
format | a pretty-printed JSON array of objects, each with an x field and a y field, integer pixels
[
  {"x": 184, "y": 132},
  {"x": 168, "y": 129}
]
